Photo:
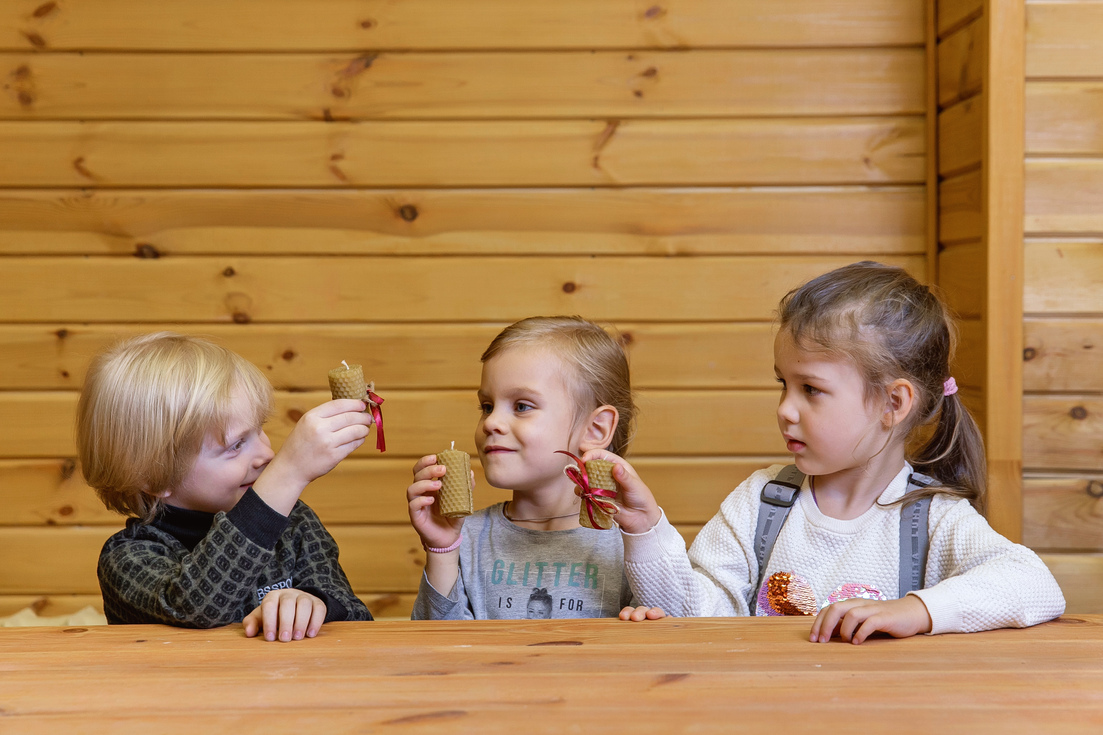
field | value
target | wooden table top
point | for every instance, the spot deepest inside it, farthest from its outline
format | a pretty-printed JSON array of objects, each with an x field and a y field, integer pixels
[{"x": 591, "y": 676}]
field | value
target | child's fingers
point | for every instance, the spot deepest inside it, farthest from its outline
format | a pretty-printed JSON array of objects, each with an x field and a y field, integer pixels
[
  {"x": 252, "y": 623},
  {"x": 317, "y": 617},
  {"x": 655, "y": 613},
  {"x": 427, "y": 461},
  {"x": 304, "y": 608},
  {"x": 430, "y": 472},
  {"x": 421, "y": 488},
  {"x": 339, "y": 406},
  {"x": 824, "y": 625},
  {"x": 270, "y": 612},
  {"x": 287, "y": 606}
]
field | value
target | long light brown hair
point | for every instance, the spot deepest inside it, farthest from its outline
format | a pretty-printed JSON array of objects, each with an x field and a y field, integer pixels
[
  {"x": 891, "y": 326},
  {"x": 597, "y": 363}
]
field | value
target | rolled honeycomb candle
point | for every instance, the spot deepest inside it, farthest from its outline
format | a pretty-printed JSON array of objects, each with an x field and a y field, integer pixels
[
  {"x": 347, "y": 382},
  {"x": 600, "y": 473},
  {"x": 455, "y": 495}
]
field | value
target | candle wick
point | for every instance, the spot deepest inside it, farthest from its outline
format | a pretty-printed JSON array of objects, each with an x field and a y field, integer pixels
[
  {"x": 345, "y": 364},
  {"x": 453, "y": 445}
]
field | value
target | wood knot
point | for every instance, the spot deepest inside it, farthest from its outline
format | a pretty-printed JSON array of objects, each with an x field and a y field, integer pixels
[
  {"x": 556, "y": 643},
  {"x": 289, "y": 355},
  {"x": 21, "y": 73},
  {"x": 1079, "y": 413},
  {"x": 655, "y": 11},
  {"x": 327, "y": 115},
  {"x": 146, "y": 251},
  {"x": 637, "y": 93},
  {"x": 649, "y": 72},
  {"x": 367, "y": 23},
  {"x": 68, "y": 467},
  {"x": 294, "y": 414},
  {"x": 240, "y": 317},
  {"x": 26, "y": 99},
  {"x": 1029, "y": 353},
  {"x": 569, "y": 287},
  {"x": 338, "y": 91},
  {"x": 64, "y": 373},
  {"x": 44, "y": 9},
  {"x": 75, "y": 630},
  {"x": 65, "y": 510},
  {"x": 1095, "y": 488},
  {"x": 625, "y": 339},
  {"x": 62, "y": 333},
  {"x": 408, "y": 212},
  {"x": 229, "y": 271},
  {"x": 34, "y": 39}
]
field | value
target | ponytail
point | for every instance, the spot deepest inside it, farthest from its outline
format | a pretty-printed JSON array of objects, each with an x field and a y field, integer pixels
[{"x": 954, "y": 456}]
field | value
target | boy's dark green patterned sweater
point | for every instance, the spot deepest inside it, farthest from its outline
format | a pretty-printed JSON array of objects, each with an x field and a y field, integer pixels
[{"x": 202, "y": 570}]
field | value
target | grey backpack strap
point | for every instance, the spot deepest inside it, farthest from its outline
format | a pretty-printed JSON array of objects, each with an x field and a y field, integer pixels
[
  {"x": 778, "y": 497},
  {"x": 914, "y": 536}
]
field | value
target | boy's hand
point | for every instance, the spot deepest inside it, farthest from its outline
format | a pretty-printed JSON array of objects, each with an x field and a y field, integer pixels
[
  {"x": 643, "y": 612},
  {"x": 638, "y": 510},
  {"x": 287, "y": 615},
  {"x": 856, "y": 619},
  {"x": 435, "y": 530},
  {"x": 324, "y": 436}
]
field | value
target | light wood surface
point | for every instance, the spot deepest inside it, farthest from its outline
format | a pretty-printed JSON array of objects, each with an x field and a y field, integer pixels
[
  {"x": 1063, "y": 354},
  {"x": 608, "y": 152},
  {"x": 640, "y": 221},
  {"x": 961, "y": 60},
  {"x": 1063, "y": 513},
  {"x": 292, "y": 25},
  {"x": 669, "y": 675},
  {"x": 1063, "y": 195},
  {"x": 1063, "y": 38},
  {"x": 458, "y": 85}
]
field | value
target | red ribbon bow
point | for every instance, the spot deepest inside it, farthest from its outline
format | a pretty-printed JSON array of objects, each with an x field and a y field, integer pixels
[
  {"x": 591, "y": 496},
  {"x": 374, "y": 402}
]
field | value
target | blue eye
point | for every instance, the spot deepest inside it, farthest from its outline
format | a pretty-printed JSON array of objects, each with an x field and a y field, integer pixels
[
  {"x": 486, "y": 408},
  {"x": 522, "y": 407}
]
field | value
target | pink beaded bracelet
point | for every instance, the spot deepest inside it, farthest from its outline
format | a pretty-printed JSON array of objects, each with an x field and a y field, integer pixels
[{"x": 453, "y": 547}]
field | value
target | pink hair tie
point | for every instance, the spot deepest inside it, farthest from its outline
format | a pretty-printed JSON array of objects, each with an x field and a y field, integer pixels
[{"x": 949, "y": 387}]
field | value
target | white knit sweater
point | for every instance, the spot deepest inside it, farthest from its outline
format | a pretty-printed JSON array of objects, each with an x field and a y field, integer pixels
[{"x": 976, "y": 579}]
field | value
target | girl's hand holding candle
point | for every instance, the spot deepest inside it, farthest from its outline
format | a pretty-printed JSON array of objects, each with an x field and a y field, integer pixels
[
  {"x": 596, "y": 487},
  {"x": 455, "y": 495},
  {"x": 348, "y": 382}
]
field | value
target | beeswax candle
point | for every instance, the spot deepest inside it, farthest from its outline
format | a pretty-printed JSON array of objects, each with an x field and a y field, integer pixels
[
  {"x": 455, "y": 495},
  {"x": 348, "y": 382},
  {"x": 600, "y": 473}
]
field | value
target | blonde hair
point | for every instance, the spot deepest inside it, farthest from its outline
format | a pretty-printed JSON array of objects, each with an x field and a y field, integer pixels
[
  {"x": 147, "y": 406},
  {"x": 891, "y": 326},
  {"x": 597, "y": 363}
]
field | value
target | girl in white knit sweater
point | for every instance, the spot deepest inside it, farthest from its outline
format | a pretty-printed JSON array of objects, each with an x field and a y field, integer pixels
[{"x": 867, "y": 404}]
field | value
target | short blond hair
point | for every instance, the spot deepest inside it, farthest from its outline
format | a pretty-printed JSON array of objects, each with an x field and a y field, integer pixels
[
  {"x": 147, "y": 406},
  {"x": 597, "y": 363}
]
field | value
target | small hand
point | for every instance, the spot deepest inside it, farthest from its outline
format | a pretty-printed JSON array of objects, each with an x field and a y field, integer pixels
[
  {"x": 856, "y": 619},
  {"x": 638, "y": 510},
  {"x": 288, "y": 614},
  {"x": 435, "y": 530},
  {"x": 643, "y": 612}
]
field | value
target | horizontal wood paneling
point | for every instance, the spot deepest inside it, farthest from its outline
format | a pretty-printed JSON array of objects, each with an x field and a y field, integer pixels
[
  {"x": 1081, "y": 579},
  {"x": 54, "y": 561},
  {"x": 290, "y": 25},
  {"x": 961, "y": 63},
  {"x": 1063, "y": 276},
  {"x": 689, "y": 422},
  {"x": 961, "y": 277},
  {"x": 1062, "y": 432},
  {"x": 487, "y": 221},
  {"x": 298, "y": 356},
  {"x": 952, "y": 14},
  {"x": 1063, "y": 39},
  {"x": 959, "y": 136},
  {"x": 457, "y": 153},
  {"x": 267, "y": 289},
  {"x": 1063, "y": 513},
  {"x": 1063, "y": 354},
  {"x": 1062, "y": 118},
  {"x": 363, "y": 491},
  {"x": 463, "y": 85},
  {"x": 960, "y": 211},
  {"x": 1063, "y": 196}
]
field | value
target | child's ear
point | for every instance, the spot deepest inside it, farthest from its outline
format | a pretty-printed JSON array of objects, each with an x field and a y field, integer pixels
[
  {"x": 598, "y": 431},
  {"x": 901, "y": 401}
]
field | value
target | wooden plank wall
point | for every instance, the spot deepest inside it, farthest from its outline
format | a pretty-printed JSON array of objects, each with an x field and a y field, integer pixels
[
  {"x": 392, "y": 182},
  {"x": 1063, "y": 296}
]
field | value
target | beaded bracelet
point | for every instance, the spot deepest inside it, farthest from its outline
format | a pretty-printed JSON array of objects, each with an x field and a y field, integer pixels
[{"x": 453, "y": 547}]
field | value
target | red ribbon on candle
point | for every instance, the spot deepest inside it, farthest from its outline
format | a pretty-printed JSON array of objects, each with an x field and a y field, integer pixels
[
  {"x": 591, "y": 496},
  {"x": 374, "y": 402}
]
